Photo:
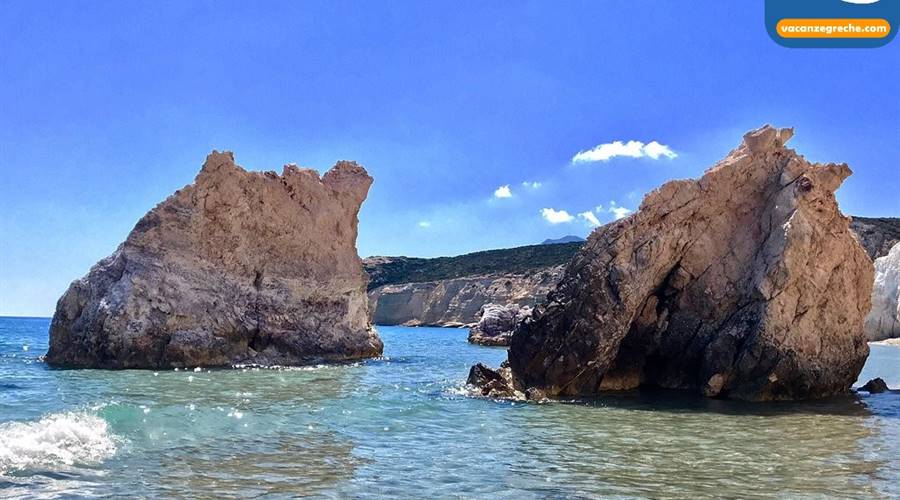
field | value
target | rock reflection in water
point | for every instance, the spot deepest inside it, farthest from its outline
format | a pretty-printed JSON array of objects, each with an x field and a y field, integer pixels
[
  {"x": 284, "y": 464},
  {"x": 666, "y": 443}
]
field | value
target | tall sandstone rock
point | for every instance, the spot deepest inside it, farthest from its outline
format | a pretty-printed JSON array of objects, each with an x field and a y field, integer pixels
[
  {"x": 238, "y": 267},
  {"x": 746, "y": 283}
]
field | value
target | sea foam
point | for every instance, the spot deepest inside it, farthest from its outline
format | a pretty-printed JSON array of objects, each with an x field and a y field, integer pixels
[{"x": 55, "y": 441}]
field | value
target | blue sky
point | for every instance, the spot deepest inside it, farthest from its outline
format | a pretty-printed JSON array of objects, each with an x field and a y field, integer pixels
[{"x": 106, "y": 108}]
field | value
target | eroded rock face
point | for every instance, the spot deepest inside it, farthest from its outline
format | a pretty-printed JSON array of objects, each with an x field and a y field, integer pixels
[
  {"x": 496, "y": 324},
  {"x": 883, "y": 321},
  {"x": 238, "y": 267},
  {"x": 746, "y": 283}
]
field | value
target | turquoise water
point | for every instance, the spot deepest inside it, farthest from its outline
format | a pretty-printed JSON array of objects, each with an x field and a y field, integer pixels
[{"x": 404, "y": 426}]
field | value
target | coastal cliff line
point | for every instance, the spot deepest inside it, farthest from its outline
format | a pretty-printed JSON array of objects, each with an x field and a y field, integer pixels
[{"x": 451, "y": 291}]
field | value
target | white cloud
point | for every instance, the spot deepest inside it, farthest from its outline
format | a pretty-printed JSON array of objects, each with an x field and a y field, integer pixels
[
  {"x": 532, "y": 185},
  {"x": 631, "y": 149},
  {"x": 619, "y": 212},
  {"x": 556, "y": 216},
  {"x": 590, "y": 218},
  {"x": 503, "y": 192},
  {"x": 424, "y": 223},
  {"x": 655, "y": 150}
]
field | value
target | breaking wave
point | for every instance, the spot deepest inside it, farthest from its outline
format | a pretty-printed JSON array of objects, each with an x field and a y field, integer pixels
[{"x": 55, "y": 441}]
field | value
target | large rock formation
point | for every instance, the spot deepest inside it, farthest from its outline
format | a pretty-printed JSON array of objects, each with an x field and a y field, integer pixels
[
  {"x": 239, "y": 267},
  {"x": 883, "y": 321},
  {"x": 456, "y": 302},
  {"x": 746, "y": 283},
  {"x": 496, "y": 324}
]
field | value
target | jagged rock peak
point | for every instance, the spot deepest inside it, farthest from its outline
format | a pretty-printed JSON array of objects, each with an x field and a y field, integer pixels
[
  {"x": 745, "y": 283},
  {"x": 238, "y": 267}
]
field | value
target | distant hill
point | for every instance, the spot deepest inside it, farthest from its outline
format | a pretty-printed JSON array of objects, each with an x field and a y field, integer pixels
[
  {"x": 877, "y": 234},
  {"x": 565, "y": 239},
  {"x": 507, "y": 261}
]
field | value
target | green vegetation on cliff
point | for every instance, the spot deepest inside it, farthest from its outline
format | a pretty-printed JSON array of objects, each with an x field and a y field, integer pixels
[
  {"x": 514, "y": 261},
  {"x": 877, "y": 235}
]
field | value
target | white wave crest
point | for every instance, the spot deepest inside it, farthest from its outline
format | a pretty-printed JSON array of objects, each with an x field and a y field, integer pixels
[{"x": 55, "y": 441}]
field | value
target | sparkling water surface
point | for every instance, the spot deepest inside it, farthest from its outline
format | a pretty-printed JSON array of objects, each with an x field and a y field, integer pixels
[{"x": 403, "y": 426}]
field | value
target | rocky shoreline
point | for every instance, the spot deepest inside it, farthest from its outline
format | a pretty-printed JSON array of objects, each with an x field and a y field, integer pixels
[
  {"x": 747, "y": 283},
  {"x": 450, "y": 291}
]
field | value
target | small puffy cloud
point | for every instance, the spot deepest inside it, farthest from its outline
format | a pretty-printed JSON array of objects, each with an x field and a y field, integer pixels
[
  {"x": 655, "y": 150},
  {"x": 556, "y": 216},
  {"x": 630, "y": 149},
  {"x": 590, "y": 218},
  {"x": 617, "y": 211},
  {"x": 503, "y": 192},
  {"x": 424, "y": 223},
  {"x": 532, "y": 185}
]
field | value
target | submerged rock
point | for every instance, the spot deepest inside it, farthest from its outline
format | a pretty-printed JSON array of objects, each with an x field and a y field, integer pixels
[
  {"x": 746, "y": 283},
  {"x": 490, "y": 382},
  {"x": 875, "y": 386},
  {"x": 238, "y": 267},
  {"x": 496, "y": 324},
  {"x": 883, "y": 321}
]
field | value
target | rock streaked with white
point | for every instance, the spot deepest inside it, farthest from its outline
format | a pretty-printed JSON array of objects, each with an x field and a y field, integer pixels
[{"x": 883, "y": 321}]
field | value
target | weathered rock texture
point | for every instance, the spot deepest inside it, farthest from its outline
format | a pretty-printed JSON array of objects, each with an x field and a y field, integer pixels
[
  {"x": 456, "y": 302},
  {"x": 496, "y": 324},
  {"x": 876, "y": 234},
  {"x": 883, "y": 321},
  {"x": 746, "y": 283},
  {"x": 239, "y": 267},
  {"x": 493, "y": 383},
  {"x": 874, "y": 386}
]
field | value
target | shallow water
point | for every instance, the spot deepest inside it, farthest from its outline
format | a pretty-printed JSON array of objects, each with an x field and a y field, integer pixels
[{"x": 402, "y": 426}]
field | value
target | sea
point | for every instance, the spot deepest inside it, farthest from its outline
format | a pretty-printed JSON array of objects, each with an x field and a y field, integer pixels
[{"x": 405, "y": 426}]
